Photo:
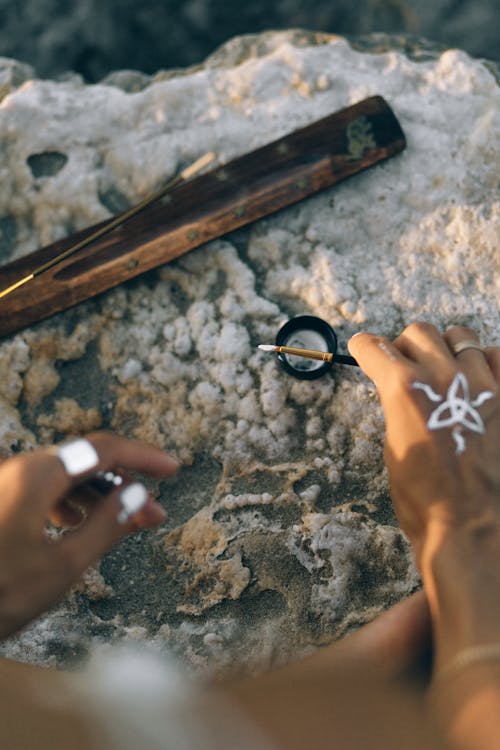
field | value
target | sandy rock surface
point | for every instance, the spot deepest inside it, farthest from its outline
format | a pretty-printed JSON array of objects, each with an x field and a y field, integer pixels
[{"x": 280, "y": 534}]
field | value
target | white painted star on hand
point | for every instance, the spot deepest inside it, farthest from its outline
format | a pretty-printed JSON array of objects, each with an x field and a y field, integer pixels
[{"x": 457, "y": 410}]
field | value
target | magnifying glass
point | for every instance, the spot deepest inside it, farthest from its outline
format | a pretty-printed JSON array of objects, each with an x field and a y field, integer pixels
[{"x": 316, "y": 342}]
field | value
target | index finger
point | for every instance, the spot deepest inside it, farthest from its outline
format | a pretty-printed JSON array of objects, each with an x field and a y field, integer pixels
[
  {"x": 115, "y": 451},
  {"x": 41, "y": 480},
  {"x": 377, "y": 356}
]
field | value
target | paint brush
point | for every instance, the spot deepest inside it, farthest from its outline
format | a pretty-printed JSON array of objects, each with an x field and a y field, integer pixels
[{"x": 340, "y": 359}]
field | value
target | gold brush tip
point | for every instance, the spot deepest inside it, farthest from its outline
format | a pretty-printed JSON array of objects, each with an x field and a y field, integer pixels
[{"x": 307, "y": 353}]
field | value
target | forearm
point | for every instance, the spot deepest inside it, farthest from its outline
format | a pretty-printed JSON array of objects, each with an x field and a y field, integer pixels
[
  {"x": 461, "y": 574},
  {"x": 37, "y": 710},
  {"x": 336, "y": 698}
]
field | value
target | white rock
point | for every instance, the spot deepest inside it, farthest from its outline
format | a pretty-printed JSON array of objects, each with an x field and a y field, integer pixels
[{"x": 416, "y": 237}]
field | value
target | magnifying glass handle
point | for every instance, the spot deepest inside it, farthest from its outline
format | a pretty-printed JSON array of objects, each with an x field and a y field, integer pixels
[{"x": 343, "y": 359}]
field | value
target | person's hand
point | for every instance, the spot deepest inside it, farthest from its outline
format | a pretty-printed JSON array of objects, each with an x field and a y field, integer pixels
[
  {"x": 37, "y": 568},
  {"x": 443, "y": 443}
]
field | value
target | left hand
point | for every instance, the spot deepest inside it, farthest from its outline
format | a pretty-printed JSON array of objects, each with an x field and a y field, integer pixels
[{"x": 35, "y": 569}]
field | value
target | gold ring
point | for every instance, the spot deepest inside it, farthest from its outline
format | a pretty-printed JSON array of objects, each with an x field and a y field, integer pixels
[{"x": 468, "y": 344}]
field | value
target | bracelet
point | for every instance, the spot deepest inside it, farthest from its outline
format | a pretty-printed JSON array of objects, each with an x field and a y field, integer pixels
[{"x": 469, "y": 657}]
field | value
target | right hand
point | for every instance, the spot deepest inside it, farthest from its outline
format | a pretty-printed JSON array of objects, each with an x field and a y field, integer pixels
[{"x": 432, "y": 483}]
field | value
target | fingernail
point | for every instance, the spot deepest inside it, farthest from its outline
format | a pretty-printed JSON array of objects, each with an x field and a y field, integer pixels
[
  {"x": 152, "y": 514},
  {"x": 161, "y": 513},
  {"x": 132, "y": 499},
  {"x": 359, "y": 333}
]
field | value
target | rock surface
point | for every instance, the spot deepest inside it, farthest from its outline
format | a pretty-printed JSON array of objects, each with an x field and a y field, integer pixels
[{"x": 280, "y": 534}]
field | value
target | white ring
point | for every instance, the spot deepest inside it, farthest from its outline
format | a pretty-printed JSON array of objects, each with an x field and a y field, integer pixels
[
  {"x": 78, "y": 457},
  {"x": 132, "y": 499},
  {"x": 461, "y": 346}
]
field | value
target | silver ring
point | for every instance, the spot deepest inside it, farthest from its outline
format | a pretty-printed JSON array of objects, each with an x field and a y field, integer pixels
[
  {"x": 467, "y": 344},
  {"x": 78, "y": 457}
]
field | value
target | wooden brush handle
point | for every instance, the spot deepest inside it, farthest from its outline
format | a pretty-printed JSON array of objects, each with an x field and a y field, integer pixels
[{"x": 203, "y": 208}]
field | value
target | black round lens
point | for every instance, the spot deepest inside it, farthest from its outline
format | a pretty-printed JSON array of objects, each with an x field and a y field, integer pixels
[{"x": 306, "y": 332}]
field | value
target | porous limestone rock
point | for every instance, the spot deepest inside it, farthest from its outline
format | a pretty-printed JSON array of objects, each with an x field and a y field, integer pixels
[{"x": 280, "y": 534}]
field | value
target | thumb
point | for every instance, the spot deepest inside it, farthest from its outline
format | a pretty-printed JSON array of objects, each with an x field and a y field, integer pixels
[{"x": 376, "y": 356}]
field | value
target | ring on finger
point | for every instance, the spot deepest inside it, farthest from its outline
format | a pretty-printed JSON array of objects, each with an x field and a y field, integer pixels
[
  {"x": 132, "y": 495},
  {"x": 105, "y": 481},
  {"x": 461, "y": 346},
  {"x": 78, "y": 457}
]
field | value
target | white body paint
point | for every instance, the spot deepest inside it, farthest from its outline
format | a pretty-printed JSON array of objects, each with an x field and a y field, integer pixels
[
  {"x": 382, "y": 345},
  {"x": 457, "y": 410}
]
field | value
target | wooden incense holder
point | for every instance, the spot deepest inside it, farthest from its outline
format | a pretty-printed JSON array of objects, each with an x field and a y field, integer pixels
[{"x": 201, "y": 209}]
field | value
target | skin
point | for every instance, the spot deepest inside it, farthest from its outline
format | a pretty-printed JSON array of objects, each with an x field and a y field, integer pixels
[
  {"x": 449, "y": 506},
  {"x": 366, "y": 691},
  {"x": 371, "y": 689},
  {"x": 36, "y": 571}
]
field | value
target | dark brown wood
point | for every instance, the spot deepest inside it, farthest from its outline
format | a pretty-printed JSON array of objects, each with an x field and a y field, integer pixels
[{"x": 203, "y": 208}]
